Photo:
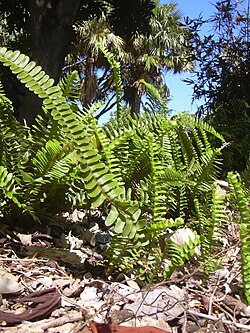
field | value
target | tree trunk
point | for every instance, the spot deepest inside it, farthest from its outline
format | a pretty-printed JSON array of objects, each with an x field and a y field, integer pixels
[
  {"x": 135, "y": 103},
  {"x": 51, "y": 29}
]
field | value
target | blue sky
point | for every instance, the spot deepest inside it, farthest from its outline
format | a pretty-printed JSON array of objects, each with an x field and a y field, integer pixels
[{"x": 181, "y": 93}]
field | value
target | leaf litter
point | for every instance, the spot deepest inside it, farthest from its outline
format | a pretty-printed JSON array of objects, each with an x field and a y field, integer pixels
[{"x": 59, "y": 284}]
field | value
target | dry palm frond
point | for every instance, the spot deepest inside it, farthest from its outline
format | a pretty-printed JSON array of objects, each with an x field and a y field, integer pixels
[{"x": 88, "y": 89}]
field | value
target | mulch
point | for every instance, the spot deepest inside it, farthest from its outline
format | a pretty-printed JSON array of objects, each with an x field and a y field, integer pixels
[{"x": 48, "y": 288}]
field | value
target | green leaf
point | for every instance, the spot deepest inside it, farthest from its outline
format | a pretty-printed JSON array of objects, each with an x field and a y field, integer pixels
[
  {"x": 127, "y": 228},
  {"x": 112, "y": 216},
  {"x": 97, "y": 201},
  {"x": 119, "y": 226}
]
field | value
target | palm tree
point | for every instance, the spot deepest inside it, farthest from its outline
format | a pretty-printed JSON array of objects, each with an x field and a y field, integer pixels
[
  {"x": 165, "y": 48},
  {"x": 90, "y": 34}
]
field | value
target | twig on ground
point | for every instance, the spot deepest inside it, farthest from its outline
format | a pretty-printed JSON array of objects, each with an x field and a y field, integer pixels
[
  {"x": 61, "y": 321},
  {"x": 214, "y": 318},
  {"x": 226, "y": 310}
]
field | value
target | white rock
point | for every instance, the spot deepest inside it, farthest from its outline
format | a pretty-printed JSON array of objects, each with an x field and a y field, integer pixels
[{"x": 182, "y": 236}]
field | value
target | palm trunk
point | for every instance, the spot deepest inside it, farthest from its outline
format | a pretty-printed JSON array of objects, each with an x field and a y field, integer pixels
[{"x": 135, "y": 103}]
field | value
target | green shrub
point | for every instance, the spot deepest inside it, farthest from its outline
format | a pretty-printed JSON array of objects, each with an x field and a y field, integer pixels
[{"x": 153, "y": 173}]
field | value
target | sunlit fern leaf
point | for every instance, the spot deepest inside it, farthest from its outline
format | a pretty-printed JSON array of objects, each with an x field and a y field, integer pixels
[
  {"x": 176, "y": 151},
  {"x": 159, "y": 227},
  {"x": 105, "y": 148},
  {"x": 167, "y": 151},
  {"x": 155, "y": 93},
  {"x": 204, "y": 126},
  {"x": 159, "y": 191},
  {"x": 174, "y": 177},
  {"x": 2, "y": 92},
  {"x": 138, "y": 163},
  {"x": 163, "y": 163},
  {"x": 182, "y": 201},
  {"x": 243, "y": 204},
  {"x": 188, "y": 150},
  {"x": 212, "y": 224},
  {"x": 93, "y": 170},
  {"x": 98, "y": 181},
  {"x": 7, "y": 182},
  {"x": 207, "y": 170},
  {"x": 180, "y": 254},
  {"x": 206, "y": 239},
  {"x": 50, "y": 164},
  {"x": 46, "y": 129},
  {"x": 115, "y": 131},
  {"x": 124, "y": 223},
  {"x": 69, "y": 85},
  {"x": 47, "y": 156}
]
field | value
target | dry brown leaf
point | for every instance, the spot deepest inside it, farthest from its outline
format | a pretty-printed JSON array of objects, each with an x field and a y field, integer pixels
[
  {"x": 48, "y": 300},
  {"x": 114, "y": 328}
]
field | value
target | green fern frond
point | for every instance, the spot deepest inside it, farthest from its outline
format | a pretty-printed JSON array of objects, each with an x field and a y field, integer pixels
[
  {"x": 212, "y": 221},
  {"x": 182, "y": 201},
  {"x": 158, "y": 228},
  {"x": 207, "y": 170},
  {"x": 167, "y": 151},
  {"x": 99, "y": 182},
  {"x": 204, "y": 126},
  {"x": 9, "y": 189},
  {"x": 34, "y": 78},
  {"x": 69, "y": 85},
  {"x": 47, "y": 156},
  {"x": 155, "y": 93},
  {"x": 2, "y": 92},
  {"x": 180, "y": 254},
  {"x": 7, "y": 182},
  {"x": 106, "y": 149},
  {"x": 14, "y": 138},
  {"x": 176, "y": 151},
  {"x": 159, "y": 191},
  {"x": 243, "y": 204},
  {"x": 51, "y": 168},
  {"x": 188, "y": 150},
  {"x": 145, "y": 170},
  {"x": 115, "y": 65},
  {"x": 45, "y": 129}
]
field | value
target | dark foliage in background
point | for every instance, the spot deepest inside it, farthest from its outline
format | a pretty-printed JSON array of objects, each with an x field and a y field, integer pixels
[
  {"x": 223, "y": 77},
  {"x": 43, "y": 29}
]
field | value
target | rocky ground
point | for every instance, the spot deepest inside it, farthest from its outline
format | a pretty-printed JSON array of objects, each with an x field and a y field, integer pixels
[{"x": 56, "y": 284}]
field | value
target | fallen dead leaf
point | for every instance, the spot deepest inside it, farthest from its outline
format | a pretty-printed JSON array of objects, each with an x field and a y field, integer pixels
[
  {"x": 48, "y": 300},
  {"x": 114, "y": 328}
]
